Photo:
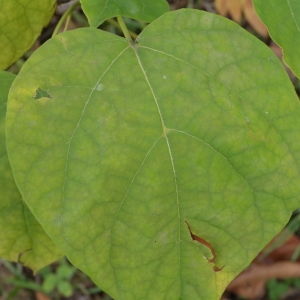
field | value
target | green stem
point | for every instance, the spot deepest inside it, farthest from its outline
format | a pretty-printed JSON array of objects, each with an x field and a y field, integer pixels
[
  {"x": 116, "y": 24},
  {"x": 64, "y": 16},
  {"x": 67, "y": 22},
  {"x": 124, "y": 29}
]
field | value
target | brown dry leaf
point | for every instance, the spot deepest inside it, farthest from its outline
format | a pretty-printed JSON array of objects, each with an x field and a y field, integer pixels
[
  {"x": 251, "y": 283},
  {"x": 235, "y": 8},
  {"x": 221, "y": 7},
  {"x": 232, "y": 7},
  {"x": 253, "y": 19},
  {"x": 276, "y": 253},
  {"x": 41, "y": 296}
]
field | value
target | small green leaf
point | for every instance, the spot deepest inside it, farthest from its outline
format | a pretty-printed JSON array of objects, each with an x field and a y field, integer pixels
[
  {"x": 188, "y": 136},
  {"x": 65, "y": 288},
  {"x": 21, "y": 237},
  {"x": 21, "y": 22},
  {"x": 50, "y": 283},
  {"x": 283, "y": 21},
  {"x": 97, "y": 11},
  {"x": 296, "y": 282},
  {"x": 276, "y": 289},
  {"x": 65, "y": 271}
]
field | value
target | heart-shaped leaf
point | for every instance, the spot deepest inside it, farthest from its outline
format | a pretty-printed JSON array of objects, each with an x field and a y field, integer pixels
[
  {"x": 21, "y": 22},
  {"x": 97, "y": 11},
  {"x": 283, "y": 21},
  {"x": 22, "y": 237},
  {"x": 161, "y": 167}
]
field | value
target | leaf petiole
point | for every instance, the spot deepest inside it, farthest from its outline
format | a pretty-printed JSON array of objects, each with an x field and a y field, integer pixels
[
  {"x": 64, "y": 17},
  {"x": 116, "y": 24},
  {"x": 67, "y": 22},
  {"x": 124, "y": 29}
]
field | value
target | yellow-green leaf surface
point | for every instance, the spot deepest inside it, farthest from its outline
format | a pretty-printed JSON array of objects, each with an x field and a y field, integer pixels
[
  {"x": 133, "y": 150},
  {"x": 97, "y": 11},
  {"x": 21, "y": 22},
  {"x": 22, "y": 237},
  {"x": 282, "y": 17}
]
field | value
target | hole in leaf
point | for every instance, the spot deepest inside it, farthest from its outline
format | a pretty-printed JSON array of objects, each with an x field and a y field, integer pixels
[
  {"x": 208, "y": 245},
  {"x": 41, "y": 94}
]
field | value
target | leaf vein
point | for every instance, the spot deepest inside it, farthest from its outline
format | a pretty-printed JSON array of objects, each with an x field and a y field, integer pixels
[
  {"x": 77, "y": 126},
  {"x": 293, "y": 16}
]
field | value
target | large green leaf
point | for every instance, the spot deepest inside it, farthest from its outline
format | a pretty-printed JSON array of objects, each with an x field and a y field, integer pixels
[
  {"x": 282, "y": 17},
  {"x": 21, "y": 22},
  {"x": 137, "y": 149},
  {"x": 22, "y": 237},
  {"x": 97, "y": 11}
]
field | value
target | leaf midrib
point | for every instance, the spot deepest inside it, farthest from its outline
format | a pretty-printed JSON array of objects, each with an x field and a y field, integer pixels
[{"x": 165, "y": 135}]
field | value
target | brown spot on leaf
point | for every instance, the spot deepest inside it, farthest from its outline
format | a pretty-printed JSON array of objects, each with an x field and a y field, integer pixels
[
  {"x": 21, "y": 254},
  {"x": 208, "y": 245}
]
